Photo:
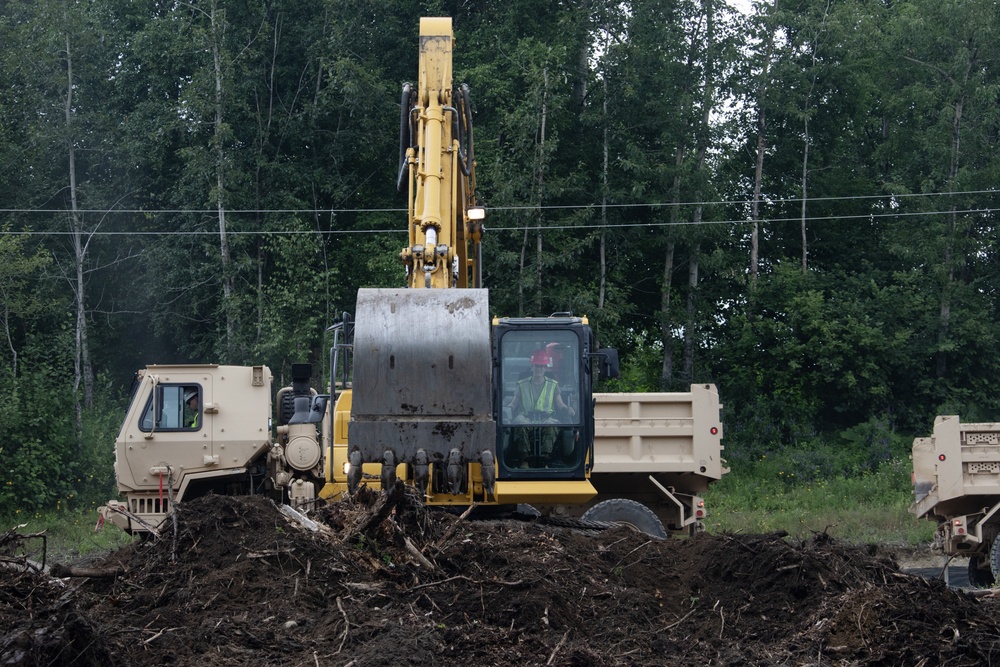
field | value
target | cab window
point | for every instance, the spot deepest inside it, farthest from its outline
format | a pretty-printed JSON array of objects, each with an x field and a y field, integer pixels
[
  {"x": 553, "y": 356},
  {"x": 173, "y": 407},
  {"x": 540, "y": 417}
]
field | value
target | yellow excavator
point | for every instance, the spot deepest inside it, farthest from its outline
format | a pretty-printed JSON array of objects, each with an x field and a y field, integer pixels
[
  {"x": 436, "y": 390},
  {"x": 425, "y": 387}
]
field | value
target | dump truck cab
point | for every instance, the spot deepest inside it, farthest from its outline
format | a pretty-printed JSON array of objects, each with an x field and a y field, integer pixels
[{"x": 189, "y": 430}]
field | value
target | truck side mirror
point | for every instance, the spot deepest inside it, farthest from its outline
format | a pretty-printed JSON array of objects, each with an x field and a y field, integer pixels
[{"x": 607, "y": 367}]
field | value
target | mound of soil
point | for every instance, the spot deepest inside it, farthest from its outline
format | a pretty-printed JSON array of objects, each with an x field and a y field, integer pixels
[{"x": 383, "y": 581}]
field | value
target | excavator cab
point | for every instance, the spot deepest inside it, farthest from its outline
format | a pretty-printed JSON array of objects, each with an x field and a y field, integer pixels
[
  {"x": 514, "y": 400},
  {"x": 542, "y": 369}
]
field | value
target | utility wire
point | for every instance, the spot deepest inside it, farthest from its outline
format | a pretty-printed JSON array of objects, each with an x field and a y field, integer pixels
[
  {"x": 737, "y": 202},
  {"x": 624, "y": 225},
  {"x": 554, "y": 207}
]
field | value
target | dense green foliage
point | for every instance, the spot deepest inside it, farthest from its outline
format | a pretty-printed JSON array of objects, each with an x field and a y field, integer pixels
[{"x": 795, "y": 204}]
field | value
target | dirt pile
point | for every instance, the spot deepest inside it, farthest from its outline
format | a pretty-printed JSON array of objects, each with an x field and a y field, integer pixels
[{"x": 241, "y": 584}]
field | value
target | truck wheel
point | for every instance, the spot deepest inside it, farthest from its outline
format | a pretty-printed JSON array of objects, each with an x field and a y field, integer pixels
[
  {"x": 629, "y": 512},
  {"x": 979, "y": 576},
  {"x": 995, "y": 558}
]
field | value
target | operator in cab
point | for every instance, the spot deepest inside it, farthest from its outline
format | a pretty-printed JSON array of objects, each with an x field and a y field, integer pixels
[
  {"x": 535, "y": 401},
  {"x": 191, "y": 412}
]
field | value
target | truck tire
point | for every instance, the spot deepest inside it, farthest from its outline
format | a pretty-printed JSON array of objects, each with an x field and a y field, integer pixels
[
  {"x": 995, "y": 558},
  {"x": 979, "y": 576},
  {"x": 629, "y": 512}
]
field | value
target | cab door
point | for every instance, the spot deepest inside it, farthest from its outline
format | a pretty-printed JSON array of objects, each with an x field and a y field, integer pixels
[
  {"x": 167, "y": 428},
  {"x": 537, "y": 397}
]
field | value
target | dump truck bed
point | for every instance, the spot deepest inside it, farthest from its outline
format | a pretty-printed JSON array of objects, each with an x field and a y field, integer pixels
[
  {"x": 675, "y": 436},
  {"x": 956, "y": 471}
]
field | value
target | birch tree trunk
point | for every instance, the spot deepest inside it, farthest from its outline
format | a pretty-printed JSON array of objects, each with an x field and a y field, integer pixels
[
  {"x": 82, "y": 370},
  {"x": 944, "y": 324},
  {"x": 703, "y": 139},
  {"x": 604, "y": 205},
  {"x": 10, "y": 341},
  {"x": 218, "y": 142},
  {"x": 687, "y": 374},
  {"x": 805, "y": 190},
  {"x": 520, "y": 282},
  {"x": 666, "y": 328},
  {"x": 666, "y": 335},
  {"x": 761, "y": 145},
  {"x": 805, "y": 139},
  {"x": 541, "y": 191}
]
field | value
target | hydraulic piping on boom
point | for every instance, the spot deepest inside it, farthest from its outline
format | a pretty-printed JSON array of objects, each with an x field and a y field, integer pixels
[{"x": 437, "y": 166}]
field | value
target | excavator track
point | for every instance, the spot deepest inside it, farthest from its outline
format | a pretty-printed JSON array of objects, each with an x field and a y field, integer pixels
[{"x": 529, "y": 514}]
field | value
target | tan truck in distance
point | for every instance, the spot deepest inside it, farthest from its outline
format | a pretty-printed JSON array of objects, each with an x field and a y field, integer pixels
[{"x": 956, "y": 484}]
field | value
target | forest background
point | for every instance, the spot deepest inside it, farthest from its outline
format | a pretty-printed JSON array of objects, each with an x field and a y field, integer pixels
[{"x": 795, "y": 202}]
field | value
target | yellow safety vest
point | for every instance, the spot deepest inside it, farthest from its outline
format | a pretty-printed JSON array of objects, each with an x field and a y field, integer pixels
[{"x": 545, "y": 400}]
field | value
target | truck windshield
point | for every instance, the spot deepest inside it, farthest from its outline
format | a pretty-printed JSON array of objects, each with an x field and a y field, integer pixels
[{"x": 540, "y": 382}]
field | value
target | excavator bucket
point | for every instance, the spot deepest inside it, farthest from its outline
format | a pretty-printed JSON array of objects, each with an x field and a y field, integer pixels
[{"x": 422, "y": 390}]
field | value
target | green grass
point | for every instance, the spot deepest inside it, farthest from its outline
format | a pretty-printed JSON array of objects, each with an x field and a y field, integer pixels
[
  {"x": 69, "y": 534},
  {"x": 789, "y": 491},
  {"x": 863, "y": 507}
]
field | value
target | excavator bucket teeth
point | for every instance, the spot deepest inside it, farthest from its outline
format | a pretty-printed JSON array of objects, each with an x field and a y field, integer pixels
[{"x": 422, "y": 372}]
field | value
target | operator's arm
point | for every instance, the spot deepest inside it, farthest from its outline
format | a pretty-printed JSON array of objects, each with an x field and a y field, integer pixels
[
  {"x": 515, "y": 403},
  {"x": 561, "y": 405}
]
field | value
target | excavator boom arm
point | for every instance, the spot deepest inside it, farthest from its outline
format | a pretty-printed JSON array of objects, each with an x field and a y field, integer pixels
[
  {"x": 437, "y": 164},
  {"x": 422, "y": 361}
]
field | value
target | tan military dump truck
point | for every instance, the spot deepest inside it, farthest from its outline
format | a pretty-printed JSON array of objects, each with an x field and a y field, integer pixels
[
  {"x": 956, "y": 484},
  {"x": 658, "y": 450}
]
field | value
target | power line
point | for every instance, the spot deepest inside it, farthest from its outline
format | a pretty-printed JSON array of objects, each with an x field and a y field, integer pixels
[
  {"x": 199, "y": 232},
  {"x": 738, "y": 202},
  {"x": 553, "y": 207},
  {"x": 202, "y": 211},
  {"x": 819, "y": 218},
  {"x": 517, "y": 228}
]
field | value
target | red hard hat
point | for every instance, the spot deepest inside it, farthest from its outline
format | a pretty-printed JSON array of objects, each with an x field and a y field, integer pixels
[{"x": 540, "y": 358}]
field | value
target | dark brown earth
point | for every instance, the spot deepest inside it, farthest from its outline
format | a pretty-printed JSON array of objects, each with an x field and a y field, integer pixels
[{"x": 249, "y": 587}]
